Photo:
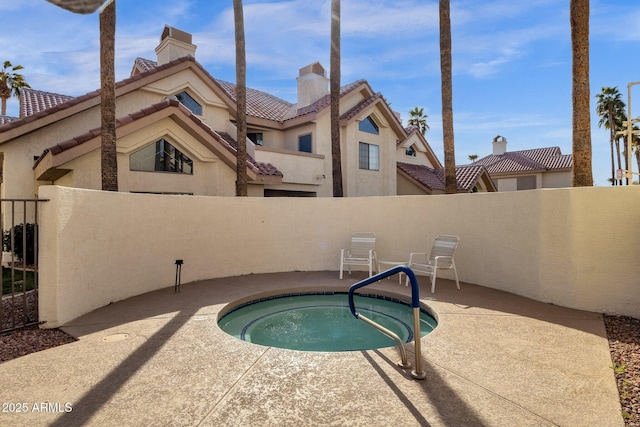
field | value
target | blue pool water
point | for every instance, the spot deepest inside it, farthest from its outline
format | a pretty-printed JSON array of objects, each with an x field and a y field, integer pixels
[{"x": 322, "y": 322}]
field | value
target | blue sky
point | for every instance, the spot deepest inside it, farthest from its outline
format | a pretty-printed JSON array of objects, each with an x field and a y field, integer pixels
[{"x": 511, "y": 60}]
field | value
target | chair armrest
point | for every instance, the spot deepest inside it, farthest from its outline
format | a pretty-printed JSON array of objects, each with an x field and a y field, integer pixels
[
  {"x": 417, "y": 255},
  {"x": 441, "y": 258}
]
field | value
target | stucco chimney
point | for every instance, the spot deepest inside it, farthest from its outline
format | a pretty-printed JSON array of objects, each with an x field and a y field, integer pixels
[
  {"x": 499, "y": 145},
  {"x": 313, "y": 84},
  {"x": 174, "y": 44}
]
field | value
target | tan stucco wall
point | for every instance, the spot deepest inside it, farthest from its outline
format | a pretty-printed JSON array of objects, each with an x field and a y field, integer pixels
[
  {"x": 570, "y": 247},
  {"x": 506, "y": 184},
  {"x": 556, "y": 179},
  {"x": 543, "y": 180},
  {"x": 408, "y": 187},
  {"x": 297, "y": 168}
]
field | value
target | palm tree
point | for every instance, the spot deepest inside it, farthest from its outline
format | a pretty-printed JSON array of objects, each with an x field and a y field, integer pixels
[
  {"x": 581, "y": 140},
  {"x": 473, "y": 157},
  {"x": 241, "y": 101},
  {"x": 108, "y": 155},
  {"x": 447, "y": 98},
  {"x": 336, "y": 157},
  {"x": 418, "y": 118},
  {"x": 610, "y": 108},
  {"x": 10, "y": 83}
]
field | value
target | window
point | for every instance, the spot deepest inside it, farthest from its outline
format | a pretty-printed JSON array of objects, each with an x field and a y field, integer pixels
[
  {"x": 410, "y": 151},
  {"x": 160, "y": 157},
  {"x": 255, "y": 137},
  {"x": 369, "y": 126},
  {"x": 369, "y": 156},
  {"x": 304, "y": 143},
  {"x": 188, "y": 101},
  {"x": 526, "y": 183}
]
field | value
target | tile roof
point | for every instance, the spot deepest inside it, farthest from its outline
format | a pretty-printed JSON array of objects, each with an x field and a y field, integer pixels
[
  {"x": 533, "y": 160},
  {"x": 144, "y": 65},
  {"x": 466, "y": 176},
  {"x": 261, "y": 104},
  {"x": 423, "y": 174},
  {"x": 6, "y": 119},
  {"x": 33, "y": 101},
  {"x": 361, "y": 106},
  {"x": 225, "y": 139}
]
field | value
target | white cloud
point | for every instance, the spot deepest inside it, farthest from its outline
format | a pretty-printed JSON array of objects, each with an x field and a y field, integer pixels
[
  {"x": 625, "y": 27},
  {"x": 470, "y": 122},
  {"x": 487, "y": 69}
]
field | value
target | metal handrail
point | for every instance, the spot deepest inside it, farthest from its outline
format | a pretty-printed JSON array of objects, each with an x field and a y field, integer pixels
[{"x": 417, "y": 373}]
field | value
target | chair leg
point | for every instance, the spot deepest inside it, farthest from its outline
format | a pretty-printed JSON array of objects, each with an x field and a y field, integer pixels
[
  {"x": 341, "y": 267},
  {"x": 453, "y": 264},
  {"x": 433, "y": 282}
]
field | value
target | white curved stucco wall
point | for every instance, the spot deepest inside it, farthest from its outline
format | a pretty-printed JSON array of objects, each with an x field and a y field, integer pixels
[{"x": 571, "y": 247}]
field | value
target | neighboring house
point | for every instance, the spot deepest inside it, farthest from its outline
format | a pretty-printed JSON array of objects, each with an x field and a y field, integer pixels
[
  {"x": 420, "y": 171},
  {"x": 175, "y": 134},
  {"x": 527, "y": 169}
]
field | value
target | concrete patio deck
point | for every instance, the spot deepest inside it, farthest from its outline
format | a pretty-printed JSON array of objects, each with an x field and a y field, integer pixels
[{"x": 495, "y": 359}]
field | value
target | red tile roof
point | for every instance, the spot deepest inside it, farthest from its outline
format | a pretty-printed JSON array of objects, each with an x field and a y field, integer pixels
[
  {"x": 6, "y": 119},
  {"x": 145, "y": 64},
  {"x": 466, "y": 176},
  {"x": 261, "y": 104},
  {"x": 33, "y": 101},
  {"x": 353, "y": 112},
  {"x": 533, "y": 160}
]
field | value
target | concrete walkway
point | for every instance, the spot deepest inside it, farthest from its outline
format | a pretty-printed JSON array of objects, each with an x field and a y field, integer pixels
[{"x": 158, "y": 359}]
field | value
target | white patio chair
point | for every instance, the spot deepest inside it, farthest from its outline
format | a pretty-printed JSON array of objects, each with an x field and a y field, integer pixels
[
  {"x": 440, "y": 258},
  {"x": 361, "y": 252}
]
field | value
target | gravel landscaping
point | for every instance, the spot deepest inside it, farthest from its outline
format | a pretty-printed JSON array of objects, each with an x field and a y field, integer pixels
[
  {"x": 623, "y": 334},
  {"x": 624, "y": 343}
]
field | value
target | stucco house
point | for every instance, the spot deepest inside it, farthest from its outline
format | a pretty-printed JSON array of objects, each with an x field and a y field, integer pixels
[
  {"x": 176, "y": 134},
  {"x": 527, "y": 169}
]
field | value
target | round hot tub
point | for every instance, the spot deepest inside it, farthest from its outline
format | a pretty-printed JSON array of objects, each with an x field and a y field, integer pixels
[{"x": 322, "y": 321}]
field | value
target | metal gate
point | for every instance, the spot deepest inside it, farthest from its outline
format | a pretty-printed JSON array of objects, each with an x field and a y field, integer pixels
[{"x": 19, "y": 225}]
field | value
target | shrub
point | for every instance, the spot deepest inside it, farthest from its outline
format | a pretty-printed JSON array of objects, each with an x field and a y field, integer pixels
[{"x": 19, "y": 250}]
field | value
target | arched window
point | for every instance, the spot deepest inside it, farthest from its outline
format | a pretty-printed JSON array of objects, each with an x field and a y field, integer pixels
[
  {"x": 160, "y": 156},
  {"x": 410, "y": 151},
  {"x": 188, "y": 101},
  {"x": 369, "y": 126}
]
